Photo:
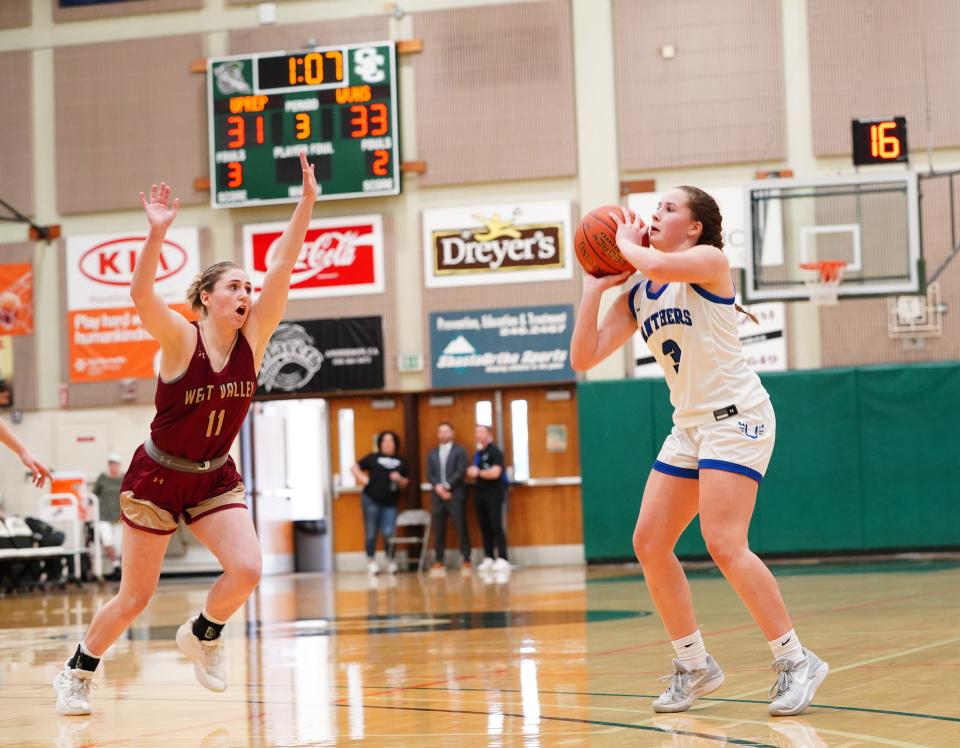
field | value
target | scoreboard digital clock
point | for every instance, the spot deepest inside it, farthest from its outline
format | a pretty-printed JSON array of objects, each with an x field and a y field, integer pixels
[{"x": 337, "y": 103}]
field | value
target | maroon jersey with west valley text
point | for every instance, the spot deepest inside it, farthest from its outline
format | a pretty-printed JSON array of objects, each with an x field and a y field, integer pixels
[{"x": 199, "y": 414}]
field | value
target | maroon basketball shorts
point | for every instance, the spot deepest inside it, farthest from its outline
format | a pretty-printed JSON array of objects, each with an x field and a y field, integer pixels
[{"x": 153, "y": 497}]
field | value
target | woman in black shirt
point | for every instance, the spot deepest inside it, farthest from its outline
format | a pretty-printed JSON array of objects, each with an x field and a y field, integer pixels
[{"x": 383, "y": 475}]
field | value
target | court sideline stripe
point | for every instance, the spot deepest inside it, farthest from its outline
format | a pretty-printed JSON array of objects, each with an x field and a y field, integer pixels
[
  {"x": 873, "y": 660},
  {"x": 751, "y": 624},
  {"x": 574, "y": 720},
  {"x": 737, "y": 700}
]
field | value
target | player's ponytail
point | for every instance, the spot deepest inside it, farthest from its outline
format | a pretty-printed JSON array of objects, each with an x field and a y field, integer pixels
[
  {"x": 205, "y": 281},
  {"x": 704, "y": 208}
]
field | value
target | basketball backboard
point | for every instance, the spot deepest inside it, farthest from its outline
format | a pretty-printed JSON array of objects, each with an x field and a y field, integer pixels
[{"x": 871, "y": 223}]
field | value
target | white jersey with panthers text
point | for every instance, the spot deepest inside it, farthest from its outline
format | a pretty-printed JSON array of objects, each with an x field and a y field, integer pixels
[{"x": 692, "y": 333}]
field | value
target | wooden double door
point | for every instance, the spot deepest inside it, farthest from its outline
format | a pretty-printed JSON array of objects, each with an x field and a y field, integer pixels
[
  {"x": 543, "y": 457},
  {"x": 544, "y": 500}
]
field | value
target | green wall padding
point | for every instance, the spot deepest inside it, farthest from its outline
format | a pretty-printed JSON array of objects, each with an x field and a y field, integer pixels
[
  {"x": 866, "y": 459},
  {"x": 910, "y": 420}
]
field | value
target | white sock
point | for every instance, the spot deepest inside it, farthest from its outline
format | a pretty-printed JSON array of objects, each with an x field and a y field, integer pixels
[
  {"x": 787, "y": 646},
  {"x": 87, "y": 652},
  {"x": 690, "y": 651}
]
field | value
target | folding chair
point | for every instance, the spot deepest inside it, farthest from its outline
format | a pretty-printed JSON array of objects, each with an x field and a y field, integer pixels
[{"x": 411, "y": 518}]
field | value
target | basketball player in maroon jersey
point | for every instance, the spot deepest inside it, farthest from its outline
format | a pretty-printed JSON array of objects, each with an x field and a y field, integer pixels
[{"x": 208, "y": 374}]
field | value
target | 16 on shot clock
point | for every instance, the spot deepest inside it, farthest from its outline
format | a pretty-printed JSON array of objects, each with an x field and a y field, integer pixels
[
  {"x": 879, "y": 141},
  {"x": 339, "y": 103}
]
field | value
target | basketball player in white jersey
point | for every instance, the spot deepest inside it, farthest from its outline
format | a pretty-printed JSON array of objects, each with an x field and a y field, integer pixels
[{"x": 715, "y": 457}]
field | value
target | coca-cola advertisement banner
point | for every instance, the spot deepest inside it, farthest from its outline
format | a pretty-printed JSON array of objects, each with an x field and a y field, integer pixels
[
  {"x": 323, "y": 355},
  {"x": 340, "y": 256},
  {"x": 497, "y": 243}
]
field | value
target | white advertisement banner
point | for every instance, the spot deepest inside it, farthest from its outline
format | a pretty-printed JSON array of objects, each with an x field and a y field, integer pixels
[
  {"x": 497, "y": 243},
  {"x": 100, "y": 267}
]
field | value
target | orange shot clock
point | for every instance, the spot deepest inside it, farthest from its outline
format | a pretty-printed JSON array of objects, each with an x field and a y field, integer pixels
[{"x": 337, "y": 103}]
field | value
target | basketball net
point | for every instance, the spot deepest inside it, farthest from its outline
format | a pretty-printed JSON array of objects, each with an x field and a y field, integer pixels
[{"x": 823, "y": 290}]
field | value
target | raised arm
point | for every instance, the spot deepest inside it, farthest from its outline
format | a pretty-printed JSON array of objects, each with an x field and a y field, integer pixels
[
  {"x": 700, "y": 264},
  {"x": 10, "y": 440},
  {"x": 591, "y": 344},
  {"x": 268, "y": 309},
  {"x": 168, "y": 327}
]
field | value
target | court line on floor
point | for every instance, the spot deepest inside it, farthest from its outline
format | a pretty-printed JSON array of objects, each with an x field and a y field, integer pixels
[
  {"x": 733, "y": 722},
  {"x": 574, "y": 720},
  {"x": 870, "y": 661},
  {"x": 751, "y": 624},
  {"x": 820, "y": 731},
  {"x": 890, "y": 712}
]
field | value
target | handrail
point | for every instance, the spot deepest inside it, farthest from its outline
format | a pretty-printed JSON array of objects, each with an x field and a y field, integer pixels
[{"x": 560, "y": 480}]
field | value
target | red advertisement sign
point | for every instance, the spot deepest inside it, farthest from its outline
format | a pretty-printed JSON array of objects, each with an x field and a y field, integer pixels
[{"x": 339, "y": 256}]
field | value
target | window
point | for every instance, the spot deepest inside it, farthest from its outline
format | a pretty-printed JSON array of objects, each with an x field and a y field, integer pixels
[
  {"x": 347, "y": 454},
  {"x": 485, "y": 413},
  {"x": 521, "y": 444}
]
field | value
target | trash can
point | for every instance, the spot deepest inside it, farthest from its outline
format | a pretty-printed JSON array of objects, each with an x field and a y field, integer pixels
[{"x": 309, "y": 544}]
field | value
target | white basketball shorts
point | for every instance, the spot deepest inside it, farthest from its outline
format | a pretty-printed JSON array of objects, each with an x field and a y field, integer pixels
[{"x": 742, "y": 443}]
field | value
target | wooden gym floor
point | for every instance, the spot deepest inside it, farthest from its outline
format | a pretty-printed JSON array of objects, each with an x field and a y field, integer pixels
[{"x": 548, "y": 657}]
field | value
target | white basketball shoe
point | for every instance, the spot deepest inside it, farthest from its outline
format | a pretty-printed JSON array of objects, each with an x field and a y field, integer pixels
[
  {"x": 686, "y": 686},
  {"x": 72, "y": 687},
  {"x": 796, "y": 684},
  {"x": 209, "y": 664}
]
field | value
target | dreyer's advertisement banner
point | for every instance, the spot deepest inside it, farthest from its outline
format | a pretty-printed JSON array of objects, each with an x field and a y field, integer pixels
[
  {"x": 340, "y": 256},
  {"x": 16, "y": 299},
  {"x": 502, "y": 243},
  {"x": 107, "y": 340},
  {"x": 501, "y": 346},
  {"x": 323, "y": 355}
]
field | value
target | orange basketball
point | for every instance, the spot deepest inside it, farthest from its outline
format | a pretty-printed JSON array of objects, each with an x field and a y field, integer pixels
[{"x": 595, "y": 242}]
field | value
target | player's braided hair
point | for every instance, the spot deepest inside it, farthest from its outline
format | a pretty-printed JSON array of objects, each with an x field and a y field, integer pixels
[
  {"x": 704, "y": 208},
  {"x": 205, "y": 281}
]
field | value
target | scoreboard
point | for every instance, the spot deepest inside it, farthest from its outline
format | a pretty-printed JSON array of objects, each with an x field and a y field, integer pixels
[{"x": 338, "y": 103}]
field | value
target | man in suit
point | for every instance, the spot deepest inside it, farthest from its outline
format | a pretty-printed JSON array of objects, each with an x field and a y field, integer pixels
[{"x": 446, "y": 468}]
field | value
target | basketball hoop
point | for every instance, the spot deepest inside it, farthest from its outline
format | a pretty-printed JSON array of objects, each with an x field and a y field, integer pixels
[{"x": 823, "y": 290}]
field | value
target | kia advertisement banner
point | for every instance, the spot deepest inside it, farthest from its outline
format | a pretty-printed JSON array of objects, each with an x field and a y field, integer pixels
[
  {"x": 16, "y": 299},
  {"x": 340, "y": 256},
  {"x": 497, "y": 243},
  {"x": 490, "y": 347},
  {"x": 106, "y": 338},
  {"x": 323, "y": 355}
]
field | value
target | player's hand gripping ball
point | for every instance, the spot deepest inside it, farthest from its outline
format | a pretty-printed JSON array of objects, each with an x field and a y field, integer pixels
[{"x": 595, "y": 242}]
